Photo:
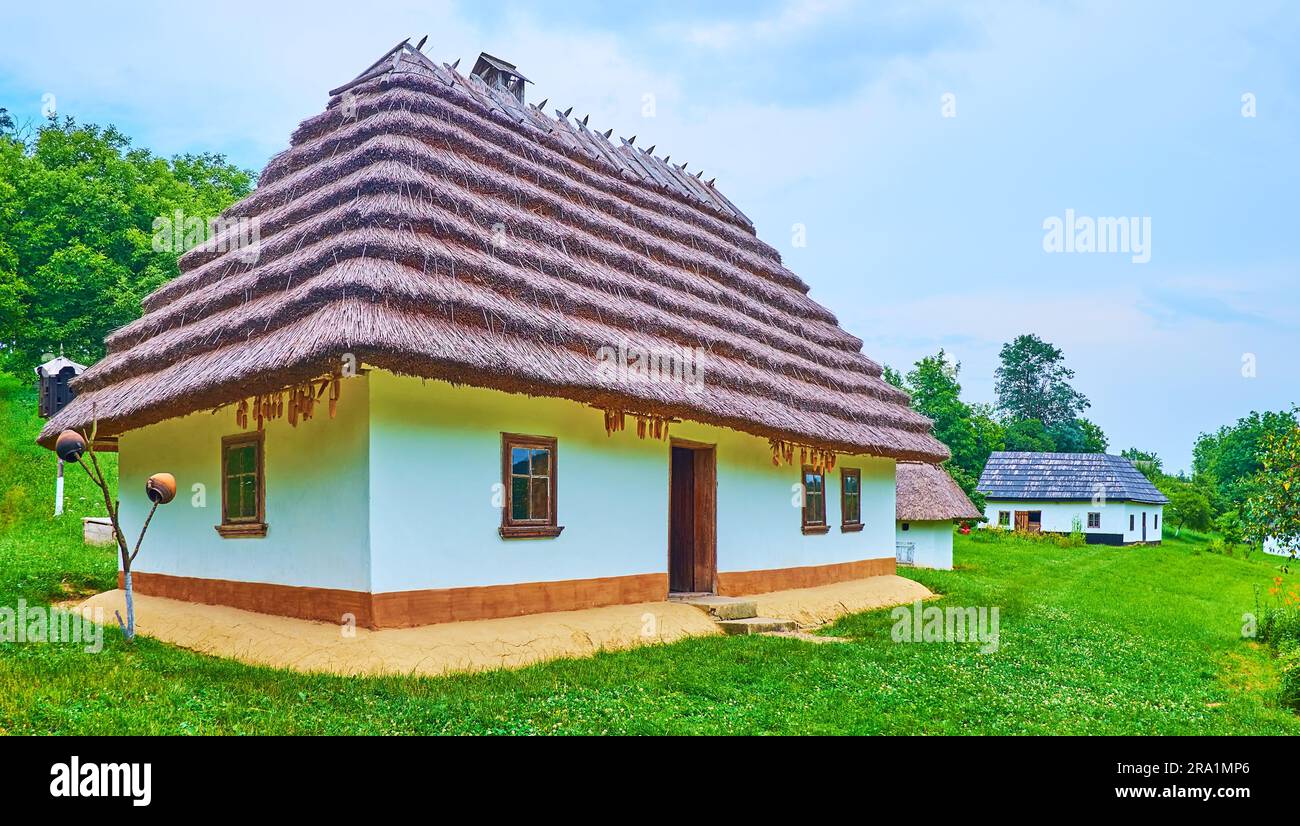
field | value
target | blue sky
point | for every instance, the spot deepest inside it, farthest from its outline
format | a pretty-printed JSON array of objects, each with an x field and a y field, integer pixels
[{"x": 923, "y": 231}]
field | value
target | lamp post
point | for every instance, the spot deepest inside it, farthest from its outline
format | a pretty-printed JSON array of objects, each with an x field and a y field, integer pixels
[{"x": 71, "y": 446}]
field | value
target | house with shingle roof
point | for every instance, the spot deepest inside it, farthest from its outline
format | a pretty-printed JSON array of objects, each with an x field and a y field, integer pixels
[
  {"x": 484, "y": 361},
  {"x": 928, "y": 502},
  {"x": 1103, "y": 496}
]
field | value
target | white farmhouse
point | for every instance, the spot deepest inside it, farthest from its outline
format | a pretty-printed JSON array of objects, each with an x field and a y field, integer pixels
[
  {"x": 1106, "y": 497},
  {"x": 403, "y": 410},
  {"x": 928, "y": 502},
  {"x": 1281, "y": 547}
]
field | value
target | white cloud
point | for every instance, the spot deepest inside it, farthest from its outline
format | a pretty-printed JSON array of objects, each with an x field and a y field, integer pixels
[{"x": 794, "y": 18}]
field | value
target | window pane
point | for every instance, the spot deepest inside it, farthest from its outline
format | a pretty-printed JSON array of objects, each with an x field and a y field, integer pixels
[
  {"x": 519, "y": 460},
  {"x": 812, "y": 482},
  {"x": 248, "y": 496},
  {"x": 232, "y": 496},
  {"x": 813, "y": 507},
  {"x": 852, "y": 508},
  {"x": 519, "y": 497},
  {"x": 541, "y": 462},
  {"x": 250, "y": 459},
  {"x": 541, "y": 498},
  {"x": 851, "y": 483},
  {"x": 234, "y": 460}
]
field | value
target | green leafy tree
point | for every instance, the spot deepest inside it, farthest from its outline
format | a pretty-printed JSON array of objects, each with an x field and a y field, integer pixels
[
  {"x": 1033, "y": 382},
  {"x": 77, "y": 212},
  {"x": 936, "y": 394},
  {"x": 1029, "y": 435},
  {"x": 892, "y": 376},
  {"x": 1189, "y": 506},
  {"x": 1229, "y": 460},
  {"x": 1078, "y": 436},
  {"x": 967, "y": 483},
  {"x": 990, "y": 436},
  {"x": 1148, "y": 462},
  {"x": 1273, "y": 507}
]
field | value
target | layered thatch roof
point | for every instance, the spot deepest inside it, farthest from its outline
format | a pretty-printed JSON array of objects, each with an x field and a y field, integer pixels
[
  {"x": 432, "y": 226},
  {"x": 927, "y": 493},
  {"x": 1066, "y": 477}
]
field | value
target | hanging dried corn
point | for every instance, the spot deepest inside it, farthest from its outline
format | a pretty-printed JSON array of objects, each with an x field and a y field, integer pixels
[{"x": 815, "y": 457}]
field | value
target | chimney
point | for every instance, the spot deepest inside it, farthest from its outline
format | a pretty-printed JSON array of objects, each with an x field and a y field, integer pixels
[{"x": 499, "y": 74}]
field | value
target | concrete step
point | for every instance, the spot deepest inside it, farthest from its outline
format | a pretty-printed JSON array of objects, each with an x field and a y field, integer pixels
[
  {"x": 756, "y": 625},
  {"x": 720, "y": 608}
]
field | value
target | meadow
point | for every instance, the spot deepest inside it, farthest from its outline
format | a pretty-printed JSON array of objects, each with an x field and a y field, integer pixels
[{"x": 1093, "y": 640}]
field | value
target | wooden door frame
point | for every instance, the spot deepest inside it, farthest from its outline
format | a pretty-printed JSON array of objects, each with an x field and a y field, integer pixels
[{"x": 706, "y": 512}]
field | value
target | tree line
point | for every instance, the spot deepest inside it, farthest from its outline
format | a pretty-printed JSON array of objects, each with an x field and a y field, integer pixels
[
  {"x": 1245, "y": 478},
  {"x": 77, "y": 211}
]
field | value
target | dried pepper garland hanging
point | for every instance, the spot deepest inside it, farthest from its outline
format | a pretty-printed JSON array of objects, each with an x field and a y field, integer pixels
[
  {"x": 815, "y": 457},
  {"x": 297, "y": 402},
  {"x": 647, "y": 424}
]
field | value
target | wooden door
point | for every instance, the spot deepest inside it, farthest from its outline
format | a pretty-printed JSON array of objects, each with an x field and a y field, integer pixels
[
  {"x": 681, "y": 520},
  {"x": 692, "y": 519},
  {"x": 1022, "y": 521}
]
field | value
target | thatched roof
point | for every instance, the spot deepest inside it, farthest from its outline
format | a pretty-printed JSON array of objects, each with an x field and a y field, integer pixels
[
  {"x": 1066, "y": 477},
  {"x": 927, "y": 492},
  {"x": 432, "y": 226}
]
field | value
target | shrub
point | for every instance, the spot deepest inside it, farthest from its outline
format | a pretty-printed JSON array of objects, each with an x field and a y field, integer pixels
[
  {"x": 1288, "y": 665},
  {"x": 1280, "y": 626}
]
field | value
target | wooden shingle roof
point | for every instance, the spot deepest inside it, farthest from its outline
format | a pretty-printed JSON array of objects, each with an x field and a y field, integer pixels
[{"x": 429, "y": 225}]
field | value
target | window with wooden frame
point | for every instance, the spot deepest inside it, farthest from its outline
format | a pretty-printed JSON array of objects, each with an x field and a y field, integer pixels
[
  {"x": 528, "y": 473},
  {"x": 814, "y": 501},
  {"x": 1131, "y": 522},
  {"x": 1004, "y": 519},
  {"x": 243, "y": 486},
  {"x": 1094, "y": 520},
  {"x": 850, "y": 499}
]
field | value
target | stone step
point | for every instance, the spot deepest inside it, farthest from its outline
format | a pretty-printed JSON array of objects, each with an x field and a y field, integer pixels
[
  {"x": 720, "y": 608},
  {"x": 756, "y": 625}
]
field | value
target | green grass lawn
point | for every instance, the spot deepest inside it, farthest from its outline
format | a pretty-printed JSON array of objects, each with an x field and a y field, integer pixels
[{"x": 1094, "y": 640}]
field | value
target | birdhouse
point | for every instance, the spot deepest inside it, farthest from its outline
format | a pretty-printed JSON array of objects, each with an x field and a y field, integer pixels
[
  {"x": 499, "y": 74},
  {"x": 55, "y": 378}
]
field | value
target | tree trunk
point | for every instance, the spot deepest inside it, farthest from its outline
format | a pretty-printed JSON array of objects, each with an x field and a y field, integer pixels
[{"x": 130, "y": 609}]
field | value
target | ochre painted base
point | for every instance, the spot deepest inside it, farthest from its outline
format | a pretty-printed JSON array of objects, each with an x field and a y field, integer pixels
[
  {"x": 405, "y": 609},
  {"x": 744, "y": 583},
  {"x": 323, "y": 604}
]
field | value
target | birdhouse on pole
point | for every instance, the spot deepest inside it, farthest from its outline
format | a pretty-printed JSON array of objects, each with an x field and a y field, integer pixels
[{"x": 55, "y": 377}]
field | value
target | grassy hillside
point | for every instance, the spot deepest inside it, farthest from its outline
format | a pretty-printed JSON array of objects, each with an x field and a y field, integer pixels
[
  {"x": 43, "y": 558},
  {"x": 1093, "y": 640}
]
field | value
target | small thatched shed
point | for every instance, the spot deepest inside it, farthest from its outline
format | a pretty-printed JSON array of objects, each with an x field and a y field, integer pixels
[
  {"x": 481, "y": 292},
  {"x": 928, "y": 503}
]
